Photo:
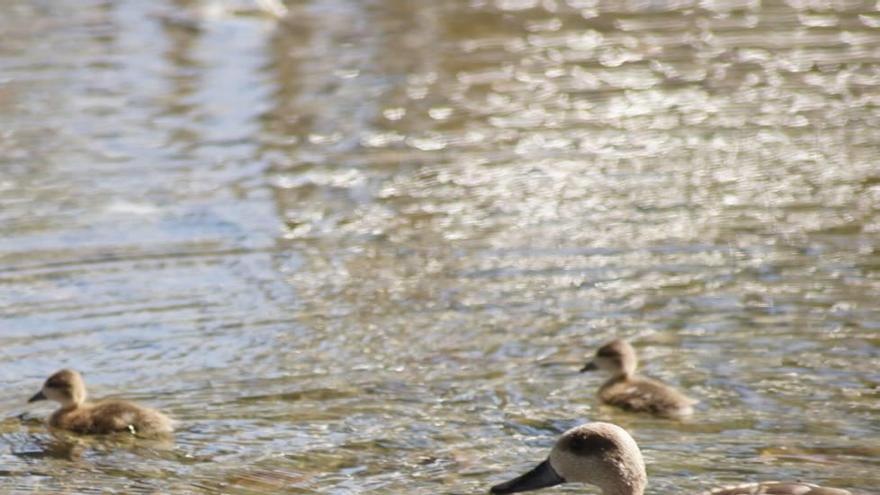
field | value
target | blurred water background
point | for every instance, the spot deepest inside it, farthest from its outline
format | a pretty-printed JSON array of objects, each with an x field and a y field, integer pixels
[{"x": 365, "y": 247}]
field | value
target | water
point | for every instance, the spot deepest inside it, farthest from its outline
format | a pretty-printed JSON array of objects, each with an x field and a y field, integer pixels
[{"x": 366, "y": 248}]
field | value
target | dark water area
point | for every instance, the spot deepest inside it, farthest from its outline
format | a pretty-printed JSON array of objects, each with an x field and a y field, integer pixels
[{"x": 364, "y": 247}]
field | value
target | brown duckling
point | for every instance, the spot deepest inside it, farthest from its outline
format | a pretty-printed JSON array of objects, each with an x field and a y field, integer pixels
[
  {"x": 606, "y": 456},
  {"x": 107, "y": 416},
  {"x": 631, "y": 392}
]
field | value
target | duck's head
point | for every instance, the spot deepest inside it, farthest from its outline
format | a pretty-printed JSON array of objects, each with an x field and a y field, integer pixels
[
  {"x": 616, "y": 357},
  {"x": 600, "y": 454},
  {"x": 65, "y": 386}
]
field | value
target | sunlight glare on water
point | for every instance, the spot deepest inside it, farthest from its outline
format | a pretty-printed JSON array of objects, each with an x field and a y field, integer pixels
[{"x": 365, "y": 247}]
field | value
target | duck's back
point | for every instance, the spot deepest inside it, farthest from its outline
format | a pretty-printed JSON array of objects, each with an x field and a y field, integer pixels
[
  {"x": 778, "y": 488},
  {"x": 112, "y": 416},
  {"x": 640, "y": 394}
]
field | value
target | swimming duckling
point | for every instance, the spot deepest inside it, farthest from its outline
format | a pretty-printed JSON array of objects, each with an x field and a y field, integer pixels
[
  {"x": 635, "y": 393},
  {"x": 106, "y": 416},
  {"x": 606, "y": 456}
]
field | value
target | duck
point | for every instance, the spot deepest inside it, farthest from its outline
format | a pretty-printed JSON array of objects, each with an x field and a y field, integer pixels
[
  {"x": 606, "y": 456},
  {"x": 107, "y": 416},
  {"x": 631, "y": 392}
]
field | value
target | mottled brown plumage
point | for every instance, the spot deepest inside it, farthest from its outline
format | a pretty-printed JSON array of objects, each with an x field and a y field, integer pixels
[
  {"x": 107, "y": 416},
  {"x": 632, "y": 392}
]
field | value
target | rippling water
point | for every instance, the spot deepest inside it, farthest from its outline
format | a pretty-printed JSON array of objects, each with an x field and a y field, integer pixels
[{"x": 365, "y": 248}]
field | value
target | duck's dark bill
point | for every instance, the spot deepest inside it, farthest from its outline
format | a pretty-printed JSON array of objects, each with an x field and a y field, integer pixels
[
  {"x": 591, "y": 366},
  {"x": 38, "y": 396},
  {"x": 543, "y": 475}
]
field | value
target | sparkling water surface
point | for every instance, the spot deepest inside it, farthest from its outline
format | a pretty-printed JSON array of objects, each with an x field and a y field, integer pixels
[{"x": 366, "y": 247}]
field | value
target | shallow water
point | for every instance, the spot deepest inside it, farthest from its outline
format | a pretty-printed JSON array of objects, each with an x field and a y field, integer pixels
[{"x": 366, "y": 248}]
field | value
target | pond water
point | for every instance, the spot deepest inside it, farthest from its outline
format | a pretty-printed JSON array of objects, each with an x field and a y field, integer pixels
[{"x": 365, "y": 247}]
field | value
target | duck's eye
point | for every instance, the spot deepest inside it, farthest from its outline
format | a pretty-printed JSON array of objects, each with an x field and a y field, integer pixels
[{"x": 590, "y": 444}]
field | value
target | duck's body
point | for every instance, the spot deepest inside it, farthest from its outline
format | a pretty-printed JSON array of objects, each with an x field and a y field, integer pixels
[
  {"x": 642, "y": 394},
  {"x": 605, "y": 455},
  {"x": 107, "y": 416},
  {"x": 629, "y": 391}
]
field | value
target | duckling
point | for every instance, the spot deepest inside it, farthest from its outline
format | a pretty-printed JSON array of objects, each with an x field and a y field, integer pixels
[
  {"x": 606, "y": 456},
  {"x": 106, "y": 416},
  {"x": 631, "y": 392}
]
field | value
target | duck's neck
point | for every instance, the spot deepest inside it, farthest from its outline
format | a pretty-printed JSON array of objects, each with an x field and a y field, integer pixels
[
  {"x": 622, "y": 375},
  {"x": 70, "y": 405},
  {"x": 632, "y": 485}
]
